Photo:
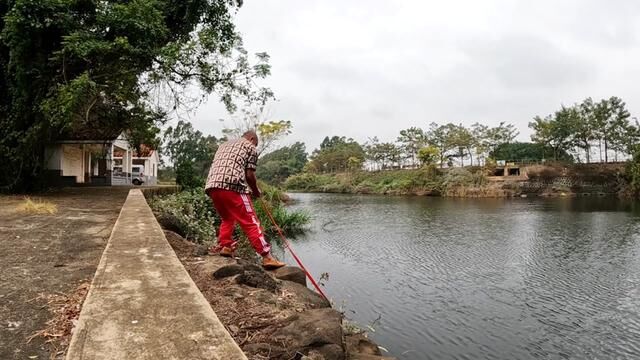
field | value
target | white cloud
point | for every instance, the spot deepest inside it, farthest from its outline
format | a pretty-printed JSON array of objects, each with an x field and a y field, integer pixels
[{"x": 361, "y": 69}]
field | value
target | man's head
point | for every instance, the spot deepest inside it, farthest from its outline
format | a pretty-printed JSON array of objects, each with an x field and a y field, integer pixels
[{"x": 252, "y": 136}]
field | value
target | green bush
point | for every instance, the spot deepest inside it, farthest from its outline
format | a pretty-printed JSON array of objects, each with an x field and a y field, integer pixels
[
  {"x": 337, "y": 187},
  {"x": 457, "y": 177},
  {"x": 191, "y": 214},
  {"x": 365, "y": 187},
  {"x": 308, "y": 182},
  {"x": 632, "y": 172},
  {"x": 291, "y": 222}
]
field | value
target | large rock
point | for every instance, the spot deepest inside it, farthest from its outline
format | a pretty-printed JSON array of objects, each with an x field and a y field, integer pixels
[
  {"x": 211, "y": 264},
  {"x": 291, "y": 273},
  {"x": 232, "y": 268},
  {"x": 249, "y": 265},
  {"x": 331, "y": 351},
  {"x": 257, "y": 279},
  {"x": 314, "y": 330},
  {"x": 362, "y": 345},
  {"x": 304, "y": 295},
  {"x": 229, "y": 270}
]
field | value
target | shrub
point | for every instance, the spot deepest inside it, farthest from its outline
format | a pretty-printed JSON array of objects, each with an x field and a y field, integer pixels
[
  {"x": 337, "y": 187},
  {"x": 290, "y": 222},
  {"x": 305, "y": 181},
  {"x": 457, "y": 177},
  {"x": 365, "y": 187},
  {"x": 188, "y": 213},
  {"x": 191, "y": 214},
  {"x": 632, "y": 172}
]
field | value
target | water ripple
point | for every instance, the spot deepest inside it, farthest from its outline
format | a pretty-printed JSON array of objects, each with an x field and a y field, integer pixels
[{"x": 482, "y": 279}]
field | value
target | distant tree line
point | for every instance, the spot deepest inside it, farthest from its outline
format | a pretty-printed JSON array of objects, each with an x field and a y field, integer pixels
[
  {"x": 583, "y": 132},
  {"x": 603, "y": 126},
  {"x": 580, "y": 133},
  {"x": 448, "y": 144}
]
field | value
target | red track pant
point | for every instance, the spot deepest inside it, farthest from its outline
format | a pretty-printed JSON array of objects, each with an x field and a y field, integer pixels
[{"x": 235, "y": 208}]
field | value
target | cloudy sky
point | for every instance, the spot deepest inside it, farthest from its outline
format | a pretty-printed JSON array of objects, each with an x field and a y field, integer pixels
[{"x": 367, "y": 68}]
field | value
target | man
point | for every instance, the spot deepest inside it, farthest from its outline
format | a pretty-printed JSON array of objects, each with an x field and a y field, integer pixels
[{"x": 234, "y": 170}]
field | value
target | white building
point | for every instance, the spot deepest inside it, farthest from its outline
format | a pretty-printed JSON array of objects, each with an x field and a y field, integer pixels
[{"x": 100, "y": 159}]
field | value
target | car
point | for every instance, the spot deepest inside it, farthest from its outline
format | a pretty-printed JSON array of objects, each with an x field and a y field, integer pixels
[{"x": 137, "y": 175}]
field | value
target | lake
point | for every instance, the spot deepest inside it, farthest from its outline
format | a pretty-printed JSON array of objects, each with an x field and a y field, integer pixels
[{"x": 440, "y": 278}]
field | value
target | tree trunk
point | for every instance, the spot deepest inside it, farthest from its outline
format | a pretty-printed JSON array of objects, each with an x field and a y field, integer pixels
[
  {"x": 600, "y": 148},
  {"x": 606, "y": 150},
  {"x": 588, "y": 151}
]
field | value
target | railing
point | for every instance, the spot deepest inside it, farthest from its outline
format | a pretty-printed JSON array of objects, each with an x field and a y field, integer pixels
[{"x": 121, "y": 180}]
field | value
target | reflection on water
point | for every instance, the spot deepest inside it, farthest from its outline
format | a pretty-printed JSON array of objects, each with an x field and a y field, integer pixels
[{"x": 482, "y": 279}]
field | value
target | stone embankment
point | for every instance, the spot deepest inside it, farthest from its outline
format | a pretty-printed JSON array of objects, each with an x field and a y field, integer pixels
[{"x": 272, "y": 314}]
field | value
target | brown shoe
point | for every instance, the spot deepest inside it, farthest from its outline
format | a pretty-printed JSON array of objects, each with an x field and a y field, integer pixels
[
  {"x": 226, "y": 252},
  {"x": 271, "y": 263},
  {"x": 222, "y": 251}
]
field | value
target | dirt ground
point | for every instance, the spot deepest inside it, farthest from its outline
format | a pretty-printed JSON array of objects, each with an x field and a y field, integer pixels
[{"x": 44, "y": 257}]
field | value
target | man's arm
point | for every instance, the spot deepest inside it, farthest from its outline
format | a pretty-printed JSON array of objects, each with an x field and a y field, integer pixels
[{"x": 253, "y": 182}]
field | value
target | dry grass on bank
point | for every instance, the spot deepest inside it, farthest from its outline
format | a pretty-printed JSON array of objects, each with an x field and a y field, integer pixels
[
  {"x": 30, "y": 206},
  {"x": 489, "y": 191}
]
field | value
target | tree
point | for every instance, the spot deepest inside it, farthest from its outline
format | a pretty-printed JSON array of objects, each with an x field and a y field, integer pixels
[
  {"x": 620, "y": 132},
  {"x": 555, "y": 130},
  {"x": 611, "y": 121},
  {"x": 462, "y": 139},
  {"x": 334, "y": 153},
  {"x": 275, "y": 167},
  {"x": 578, "y": 127},
  {"x": 372, "y": 152},
  {"x": 354, "y": 163},
  {"x": 391, "y": 154},
  {"x": 66, "y": 65},
  {"x": 501, "y": 134},
  {"x": 482, "y": 142},
  {"x": 190, "y": 152},
  {"x": 583, "y": 127},
  {"x": 255, "y": 115},
  {"x": 411, "y": 140},
  {"x": 428, "y": 155},
  {"x": 441, "y": 137}
]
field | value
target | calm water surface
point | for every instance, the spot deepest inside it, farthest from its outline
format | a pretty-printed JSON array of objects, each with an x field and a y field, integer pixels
[{"x": 482, "y": 279}]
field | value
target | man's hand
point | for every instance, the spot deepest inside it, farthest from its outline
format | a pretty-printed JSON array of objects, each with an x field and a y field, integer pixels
[
  {"x": 256, "y": 193},
  {"x": 253, "y": 183}
]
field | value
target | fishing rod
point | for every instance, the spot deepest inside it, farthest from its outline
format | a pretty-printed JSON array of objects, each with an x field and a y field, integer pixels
[{"x": 288, "y": 247}]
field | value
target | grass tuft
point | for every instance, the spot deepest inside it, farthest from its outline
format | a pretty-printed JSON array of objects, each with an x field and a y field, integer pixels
[{"x": 31, "y": 206}]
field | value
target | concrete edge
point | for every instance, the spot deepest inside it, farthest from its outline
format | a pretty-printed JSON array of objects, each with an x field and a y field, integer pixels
[{"x": 200, "y": 299}]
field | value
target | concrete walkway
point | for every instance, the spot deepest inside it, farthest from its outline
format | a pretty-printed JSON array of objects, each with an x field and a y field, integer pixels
[{"x": 142, "y": 303}]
